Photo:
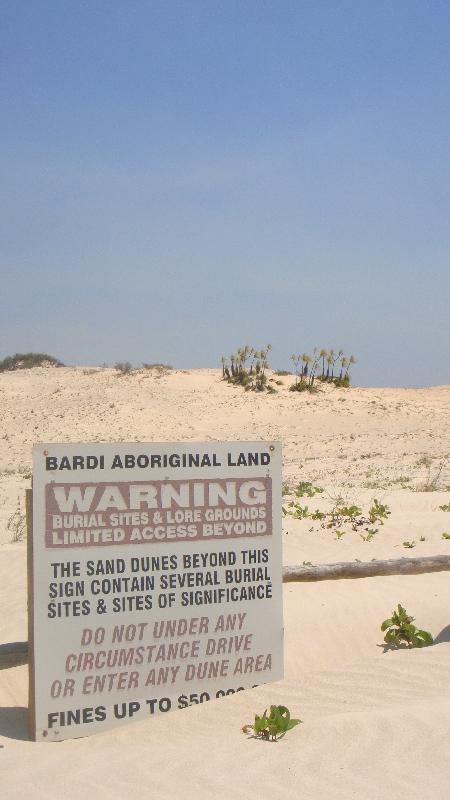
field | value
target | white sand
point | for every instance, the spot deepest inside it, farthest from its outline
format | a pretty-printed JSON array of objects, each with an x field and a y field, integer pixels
[{"x": 375, "y": 724}]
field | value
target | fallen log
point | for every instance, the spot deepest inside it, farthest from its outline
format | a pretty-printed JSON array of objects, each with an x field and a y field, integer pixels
[
  {"x": 366, "y": 569},
  {"x": 14, "y": 654}
]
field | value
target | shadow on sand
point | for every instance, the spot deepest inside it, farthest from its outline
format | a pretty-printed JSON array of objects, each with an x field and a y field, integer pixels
[
  {"x": 443, "y": 636},
  {"x": 14, "y": 723}
]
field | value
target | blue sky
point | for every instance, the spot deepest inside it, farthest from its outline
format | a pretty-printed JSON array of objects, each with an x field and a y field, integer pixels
[{"x": 181, "y": 178}]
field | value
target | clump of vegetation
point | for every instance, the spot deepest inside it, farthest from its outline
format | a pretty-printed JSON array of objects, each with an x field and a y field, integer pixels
[
  {"x": 272, "y": 726},
  {"x": 378, "y": 512},
  {"x": 432, "y": 482},
  {"x": 28, "y": 361},
  {"x": 400, "y": 631},
  {"x": 305, "y": 488},
  {"x": 297, "y": 511},
  {"x": 409, "y": 545},
  {"x": 342, "y": 513},
  {"x": 342, "y": 517},
  {"x": 248, "y": 368},
  {"x": 307, "y": 369},
  {"x": 17, "y": 524},
  {"x": 123, "y": 367},
  {"x": 445, "y": 507},
  {"x": 160, "y": 369}
]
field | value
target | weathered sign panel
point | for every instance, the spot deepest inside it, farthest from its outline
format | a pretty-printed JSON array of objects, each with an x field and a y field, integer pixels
[{"x": 155, "y": 579}]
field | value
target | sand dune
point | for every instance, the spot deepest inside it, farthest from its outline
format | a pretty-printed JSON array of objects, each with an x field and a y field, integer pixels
[{"x": 375, "y": 724}]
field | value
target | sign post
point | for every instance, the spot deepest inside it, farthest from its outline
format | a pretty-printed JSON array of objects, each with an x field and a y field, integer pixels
[{"x": 155, "y": 579}]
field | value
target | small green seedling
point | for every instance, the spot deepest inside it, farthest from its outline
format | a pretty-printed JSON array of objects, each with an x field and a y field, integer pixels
[
  {"x": 296, "y": 511},
  {"x": 271, "y": 727},
  {"x": 400, "y": 631},
  {"x": 445, "y": 507},
  {"x": 446, "y": 535},
  {"x": 410, "y": 545},
  {"x": 318, "y": 514},
  {"x": 340, "y": 534},
  {"x": 371, "y": 532},
  {"x": 378, "y": 512}
]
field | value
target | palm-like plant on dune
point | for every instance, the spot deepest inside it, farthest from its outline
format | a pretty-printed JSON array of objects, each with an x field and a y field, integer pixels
[
  {"x": 307, "y": 369},
  {"x": 344, "y": 363},
  {"x": 315, "y": 363},
  {"x": 329, "y": 360},
  {"x": 335, "y": 360},
  {"x": 323, "y": 355},
  {"x": 296, "y": 361},
  {"x": 346, "y": 378},
  {"x": 253, "y": 376}
]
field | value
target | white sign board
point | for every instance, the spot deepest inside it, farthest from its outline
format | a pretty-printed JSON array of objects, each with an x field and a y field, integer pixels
[{"x": 155, "y": 579}]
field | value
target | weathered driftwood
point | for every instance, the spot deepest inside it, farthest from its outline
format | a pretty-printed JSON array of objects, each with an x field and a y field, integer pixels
[
  {"x": 16, "y": 653},
  {"x": 366, "y": 569}
]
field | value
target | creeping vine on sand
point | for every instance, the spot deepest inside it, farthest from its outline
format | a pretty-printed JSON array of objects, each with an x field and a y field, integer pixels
[
  {"x": 400, "y": 631},
  {"x": 272, "y": 726}
]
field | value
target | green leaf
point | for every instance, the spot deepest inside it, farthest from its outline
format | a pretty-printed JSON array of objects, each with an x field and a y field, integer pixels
[{"x": 426, "y": 636}]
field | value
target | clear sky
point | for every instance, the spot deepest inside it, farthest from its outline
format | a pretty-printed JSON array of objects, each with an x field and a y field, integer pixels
[{"x": 182, "y": 178}]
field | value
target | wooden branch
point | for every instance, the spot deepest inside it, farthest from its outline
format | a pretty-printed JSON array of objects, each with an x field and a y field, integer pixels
[
  {"x": 366, "y": 569},
  {"x": 16, "y": 653}
]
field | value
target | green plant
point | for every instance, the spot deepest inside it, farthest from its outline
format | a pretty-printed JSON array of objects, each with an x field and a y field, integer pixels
[
  {"x": 378, "y": 512},
  {"x": 297, "y": 511},
  {"x": 445, "y": 507},
  {"x": 252, "y": 375},
  {"x": 409, "y": 545},
  {"x": 343, "y": 516},
  {"x": 305, "y": 368},
  {"x": 350, "y": 512},
  {"x": 400, "y": 630},
  {"x": 28, "y": 361},
  {"x": 274, "y": 725},
  {"x": 446, "y": 535},
  {"x": 371, "y": 532},
  {"x": 17, "y": 524},
  {"x": 306, "y": 488}
]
